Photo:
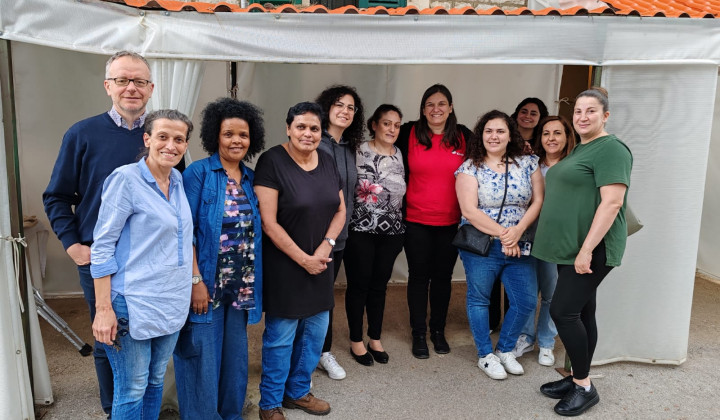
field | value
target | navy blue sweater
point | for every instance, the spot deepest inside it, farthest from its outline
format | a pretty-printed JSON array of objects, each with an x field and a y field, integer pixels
[{"x": 91, "y": 149}]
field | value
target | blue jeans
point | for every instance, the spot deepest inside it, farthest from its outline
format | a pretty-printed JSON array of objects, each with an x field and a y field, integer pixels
[
  {"x": 518, "y": 277},
  {"x": 211, "y": 366},
  {"x": 547, "y": 276},
  {"x": 138, "y": 369},
  {"x": 291, "y": 351},
  {"x": 102, "y": 364}
]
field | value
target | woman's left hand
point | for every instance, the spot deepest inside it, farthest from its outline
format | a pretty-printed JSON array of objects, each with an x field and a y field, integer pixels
[
  {"x": 582, "y": 262},
  {"x": 511, "y": 251},
  {"x": 511, "y": 236}
]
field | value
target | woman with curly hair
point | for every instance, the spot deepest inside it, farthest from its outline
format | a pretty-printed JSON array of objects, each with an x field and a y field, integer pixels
[
  {"x": 500, "y": 191},
  {"x": 432, "y": 147},
  {"x": 341, "y": 137},
  {"x": 527, "y": 115},
  {"x": 211, "y": 357}
]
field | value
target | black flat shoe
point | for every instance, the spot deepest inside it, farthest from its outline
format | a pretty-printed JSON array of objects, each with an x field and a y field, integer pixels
[
  {"x": 440, "y": 345},
  {"x": 577, "y": 401},
  {"x": 365, "y": 359},
  {"x": 557, "y": 389},
  {"x": 419, "y": 347},
  {"x": 379, "y": 356}
]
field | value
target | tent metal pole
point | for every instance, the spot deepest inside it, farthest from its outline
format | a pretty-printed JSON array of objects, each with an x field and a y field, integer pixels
[
  {"x": 596, "y": 78},
  {"x": 14, "y": 191}
]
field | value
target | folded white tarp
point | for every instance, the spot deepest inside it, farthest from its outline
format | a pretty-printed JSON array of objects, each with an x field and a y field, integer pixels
[{"x": 102, "y": 28}]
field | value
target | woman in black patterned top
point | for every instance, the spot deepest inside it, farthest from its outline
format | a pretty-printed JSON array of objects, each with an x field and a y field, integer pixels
[{"x": 376, "y": 232}]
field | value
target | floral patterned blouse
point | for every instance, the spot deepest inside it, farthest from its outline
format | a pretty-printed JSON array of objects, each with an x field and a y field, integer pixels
[
  {"x": 491, "y": 187},
  {"x": 379, "y": 192},
  {"x": 235, "y": 277}
]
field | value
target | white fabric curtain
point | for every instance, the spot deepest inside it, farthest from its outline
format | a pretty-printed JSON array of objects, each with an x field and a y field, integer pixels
[
  {"x": 476, "y": 89},
  {"x": 708, "y": 262},
  {"x": 177, "y": 85},
  {"x": 663, "y": 115},
  {"x": 15, "y": 395}
]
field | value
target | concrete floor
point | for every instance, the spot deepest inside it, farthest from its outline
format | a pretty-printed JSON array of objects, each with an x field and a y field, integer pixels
[{"x": 447, "y": 386}]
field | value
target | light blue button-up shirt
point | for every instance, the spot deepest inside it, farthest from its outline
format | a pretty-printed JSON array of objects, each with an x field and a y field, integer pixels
[{"x": 144, "y": 242}]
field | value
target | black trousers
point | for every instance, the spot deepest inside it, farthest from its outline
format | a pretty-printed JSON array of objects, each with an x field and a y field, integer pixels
[
  {"x": 369, "y": 261},
  {"x": 573, "y": 310},
  {"x": 431, "y": 258},
  {"x": 337, "y": 259}
]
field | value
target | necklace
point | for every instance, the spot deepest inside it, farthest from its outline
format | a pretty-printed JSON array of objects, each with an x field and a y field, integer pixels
[{"x": 374, "y": 147}]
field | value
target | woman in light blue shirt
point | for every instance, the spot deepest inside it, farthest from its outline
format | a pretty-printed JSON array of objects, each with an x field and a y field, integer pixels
[{"x": 142, "y": 265}]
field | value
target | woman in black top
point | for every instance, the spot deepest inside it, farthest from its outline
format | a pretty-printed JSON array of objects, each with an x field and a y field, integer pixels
[{"x": 302, "y": 212}]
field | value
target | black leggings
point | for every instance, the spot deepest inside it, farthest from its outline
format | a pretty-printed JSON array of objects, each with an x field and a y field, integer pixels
[
  {"x": 337, "y": 259},
  {"x": 369, "y": 261},
  {"x": 573, "y": 310},
  {"x": 431, "y": 258}
]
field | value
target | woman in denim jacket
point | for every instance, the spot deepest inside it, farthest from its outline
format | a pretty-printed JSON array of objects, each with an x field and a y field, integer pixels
[{"x": 211, "y": 357}]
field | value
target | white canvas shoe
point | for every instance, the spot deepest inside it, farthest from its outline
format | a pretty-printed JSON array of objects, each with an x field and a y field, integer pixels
[
  {"x": 492, "y": 367},
  {"x": 522, "y": 346},
  {"x": 546, "y": 357},
  {"x": 509, "y": 363},
  {"x": 331, "y": 366}
]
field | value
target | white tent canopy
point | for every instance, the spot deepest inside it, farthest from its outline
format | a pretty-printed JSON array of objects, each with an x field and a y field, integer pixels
[{"x": 661, "y": 74}]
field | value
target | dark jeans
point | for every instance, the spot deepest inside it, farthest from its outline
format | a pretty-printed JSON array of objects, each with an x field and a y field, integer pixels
[
  {"x": 102, "y": 364},
  {"x": 573, "y": 310},
  {"x": 431, "y": 258},
  {"x": 337, "y": 259},
  {"x": 369, "y": 260}
]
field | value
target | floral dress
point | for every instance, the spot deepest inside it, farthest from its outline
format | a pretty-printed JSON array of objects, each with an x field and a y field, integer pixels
[{"x": 235, "y": 276}]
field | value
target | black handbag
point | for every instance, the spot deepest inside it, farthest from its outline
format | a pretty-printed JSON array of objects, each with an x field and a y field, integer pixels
[{"x": 469, "y": 238}]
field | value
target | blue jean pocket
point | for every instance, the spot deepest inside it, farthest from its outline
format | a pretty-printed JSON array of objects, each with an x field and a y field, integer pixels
[{"x": 187, "y": 346}]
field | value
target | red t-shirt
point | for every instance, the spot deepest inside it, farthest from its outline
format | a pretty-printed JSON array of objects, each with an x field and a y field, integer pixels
[{"x": 431, "y": 198}]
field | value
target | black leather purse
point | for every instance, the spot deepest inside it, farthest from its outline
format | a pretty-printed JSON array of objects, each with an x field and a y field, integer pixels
[{"x": 469, "y": 238}]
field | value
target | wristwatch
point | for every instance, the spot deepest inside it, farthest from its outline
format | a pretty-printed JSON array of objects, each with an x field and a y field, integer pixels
[
  {"x": 331, "y": 241},
  {"x": 196, "y": 278}
]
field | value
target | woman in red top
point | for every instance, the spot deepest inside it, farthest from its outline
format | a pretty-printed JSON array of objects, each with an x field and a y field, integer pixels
[{"x": 432, "y": 147}]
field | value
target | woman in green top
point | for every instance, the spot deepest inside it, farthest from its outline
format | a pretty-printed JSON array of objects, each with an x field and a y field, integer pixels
[{"x": 582, "y": 229}]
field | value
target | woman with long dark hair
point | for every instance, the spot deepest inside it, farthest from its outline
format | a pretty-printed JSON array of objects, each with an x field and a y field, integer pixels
[{"x": 433, "y": 147}]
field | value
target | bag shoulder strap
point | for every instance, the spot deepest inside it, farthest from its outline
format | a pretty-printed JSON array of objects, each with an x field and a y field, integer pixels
[{"x": 497, "y": 219}]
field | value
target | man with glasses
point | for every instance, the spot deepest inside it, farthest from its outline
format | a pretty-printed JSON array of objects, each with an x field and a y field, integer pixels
[{"x": 91, "y": 149}]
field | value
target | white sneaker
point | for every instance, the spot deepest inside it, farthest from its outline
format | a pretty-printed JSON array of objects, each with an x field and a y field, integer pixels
[
  {"x": 490, "y": 364},
  {"x": 522, "y": 346},
  {"x": 331, "y": 366},
  {"x": 509, "y": 363},
  {"x": 546, "y": 357}
]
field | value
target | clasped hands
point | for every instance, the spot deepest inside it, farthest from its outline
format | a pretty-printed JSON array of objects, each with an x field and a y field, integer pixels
[
  {"x": 509, "y": 238},
  {"x": 318, "y": 262}
]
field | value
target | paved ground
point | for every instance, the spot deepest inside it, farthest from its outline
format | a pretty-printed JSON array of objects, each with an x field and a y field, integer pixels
[{"x": 442, "y": 387}]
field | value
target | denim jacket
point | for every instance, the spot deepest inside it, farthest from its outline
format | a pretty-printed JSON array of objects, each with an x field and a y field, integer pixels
[{"x": 205, "y": 182}]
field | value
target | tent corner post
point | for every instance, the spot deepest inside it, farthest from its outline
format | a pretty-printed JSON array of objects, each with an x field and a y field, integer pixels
[{"x": 14, "y": 191}]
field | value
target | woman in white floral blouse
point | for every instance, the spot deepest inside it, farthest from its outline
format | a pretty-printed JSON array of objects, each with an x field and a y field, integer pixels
[
  {"x": 500, "y": 191},
  {"x": 376, "y": 232}
]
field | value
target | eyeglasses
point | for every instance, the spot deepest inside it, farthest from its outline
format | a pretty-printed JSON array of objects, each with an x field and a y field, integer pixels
[
  {"x": 122, "y": 81},
  {"x": 350, "y": 108}
]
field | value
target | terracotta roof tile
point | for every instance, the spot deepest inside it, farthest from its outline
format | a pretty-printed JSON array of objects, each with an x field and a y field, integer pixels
[{"x": 659, "y": 8}]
